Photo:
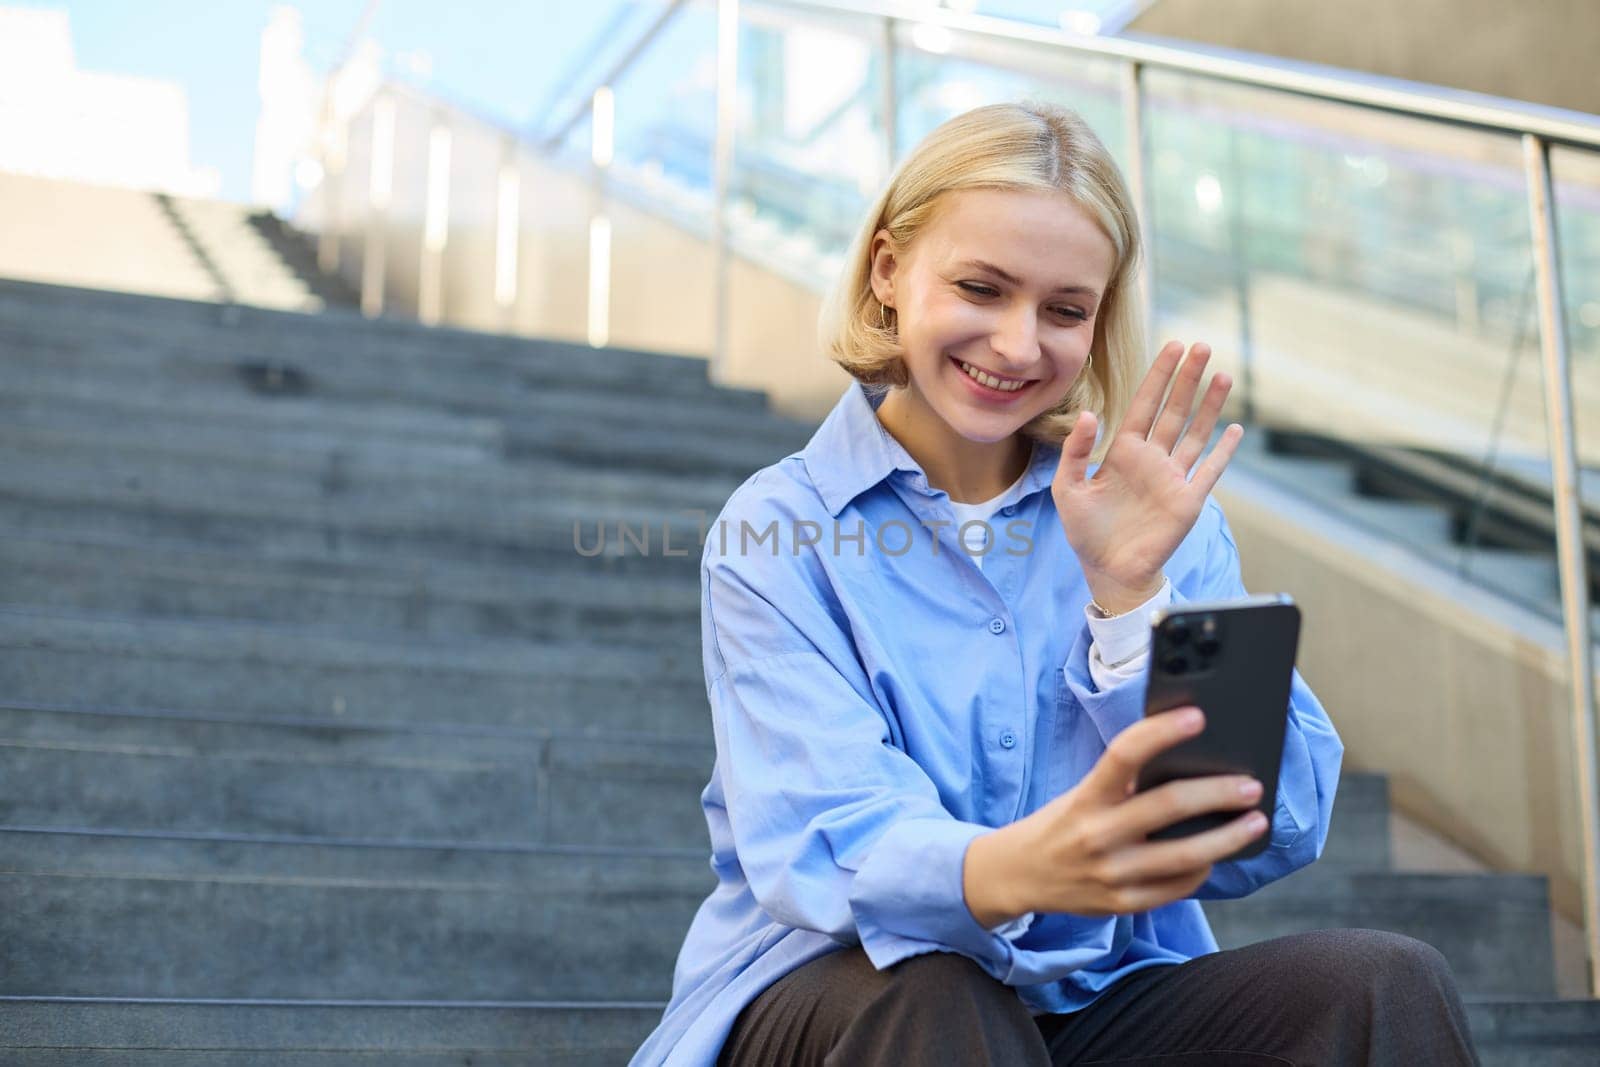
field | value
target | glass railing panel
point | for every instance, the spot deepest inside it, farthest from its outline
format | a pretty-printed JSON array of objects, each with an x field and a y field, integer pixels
[
  {"x": 809, "y": 149},
  {"x": 1367, "y": 279},
  {"x": 1355, "y": 232},
  {"x": 809, "y": 152},
  {"x": 1575, "y": 175},
  {"x": 941, "y": 74},
  {"x": 611, "y": 29},
  {"x": 664, "y": 111}
]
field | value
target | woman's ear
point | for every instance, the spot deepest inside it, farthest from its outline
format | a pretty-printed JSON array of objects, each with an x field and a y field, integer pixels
[{"x": 883, "y": 265}]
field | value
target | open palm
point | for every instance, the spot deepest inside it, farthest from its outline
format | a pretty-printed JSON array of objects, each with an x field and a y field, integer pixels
[{"x": 1126, "y": 521}]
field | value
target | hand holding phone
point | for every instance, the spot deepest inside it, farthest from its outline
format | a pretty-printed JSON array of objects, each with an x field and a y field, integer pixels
[
  {"x": 1192, "y": 784},
  {"x": 1088, "y": 851},
  {"x": 1235, "y": 661}
]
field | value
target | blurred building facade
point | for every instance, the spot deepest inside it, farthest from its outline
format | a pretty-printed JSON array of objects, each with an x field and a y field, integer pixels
[{"x": 60, "y": 121}]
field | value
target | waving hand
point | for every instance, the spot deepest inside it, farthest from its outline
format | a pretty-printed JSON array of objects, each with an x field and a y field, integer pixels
[{"x": 1126, "y": 521}]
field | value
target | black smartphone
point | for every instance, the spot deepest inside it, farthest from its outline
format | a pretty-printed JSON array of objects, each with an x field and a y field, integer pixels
[{"x": 1235, "y": 661}]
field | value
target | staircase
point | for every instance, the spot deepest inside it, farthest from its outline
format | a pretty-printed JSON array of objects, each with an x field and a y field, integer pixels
[
  {"x": 319, "y": 742},
  {"x": 109, "y": 237}
]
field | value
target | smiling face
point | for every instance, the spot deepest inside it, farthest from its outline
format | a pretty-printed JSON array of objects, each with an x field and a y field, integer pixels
[{"x": 1004, "y": 284}]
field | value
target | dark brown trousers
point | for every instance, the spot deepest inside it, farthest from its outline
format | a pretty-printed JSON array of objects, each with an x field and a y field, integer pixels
[{"x": 1326, "y": 998}]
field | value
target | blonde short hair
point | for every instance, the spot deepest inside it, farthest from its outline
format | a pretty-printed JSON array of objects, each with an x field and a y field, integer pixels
[{"x": 1030, "y": 145}]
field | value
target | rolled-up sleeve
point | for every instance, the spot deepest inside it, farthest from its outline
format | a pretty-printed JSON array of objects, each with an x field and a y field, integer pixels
[{"x": 1308, "y": 775}]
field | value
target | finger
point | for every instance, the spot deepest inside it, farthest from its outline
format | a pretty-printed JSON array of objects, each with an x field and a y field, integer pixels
[
  {"x": 1149, "y": 895},
  {"x": 1157, "y": 861},
  {"x": 1206, "y": 475},
  {"x": 1198, "y": 435},
  {"x": 1135, "y": 746},
  {"x": 1147, "y": 398},
  {"x": 1176, "y": 412},
  {"x": 1179, "y": 799},
  {"x": 1075, "y": 451}
]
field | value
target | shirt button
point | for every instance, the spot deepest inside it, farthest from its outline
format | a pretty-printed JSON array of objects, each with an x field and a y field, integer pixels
[
  {"x": 997, "y": 625},
  {"x": 1008, "y": 740},
  {"x": 1009, "y": 509}
]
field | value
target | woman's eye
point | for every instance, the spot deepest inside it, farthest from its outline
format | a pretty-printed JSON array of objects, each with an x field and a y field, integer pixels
[{"x": 982, "y": 290}]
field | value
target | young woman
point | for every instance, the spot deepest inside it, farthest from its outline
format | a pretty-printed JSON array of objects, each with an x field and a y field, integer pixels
[{"x": 923, "y": 635}]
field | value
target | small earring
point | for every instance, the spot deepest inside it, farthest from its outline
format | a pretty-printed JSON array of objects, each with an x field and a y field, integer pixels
[{"x": 881, "y": 309}]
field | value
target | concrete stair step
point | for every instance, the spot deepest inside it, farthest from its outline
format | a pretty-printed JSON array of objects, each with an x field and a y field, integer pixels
[
  {"x": 586, "y": 540},
  {"x": 344, "y": 328},
  {"x": 259, "y": 670},
  {"x": 51, "y": 1032},
  {"x": 294, "y": 1034},
  {"x": 341, "y": 921},
  {"x": 33, "y": 423},
  {"x": 1535, "y": 1033},
  {"x": 536, "y": 579},
  {"x": 580, "y": 410},
  {"x": 253, "y": 271},
  {"x": 82, "y": 1032},
  {"x": 162, "y": 582},
  {"x": 484, "y": 916},
  {"x": 212, "y": 773},
  {"x": 47, "y": 303},
  {"x": 327, "y": 348},
  {"x": 430, "y": 380},
  {"x": 96, "y": 769},
  {"x": 110, "y": 398},
  {"x": 417, "y": 476},
  {"x": 1358, "y": 834},
  {"x": 252, "y": 642},
  {"x": 1493, "y": 928}
]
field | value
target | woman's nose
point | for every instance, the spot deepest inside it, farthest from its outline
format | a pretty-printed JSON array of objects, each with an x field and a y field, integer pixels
[{"x": 1016, "y": 340}]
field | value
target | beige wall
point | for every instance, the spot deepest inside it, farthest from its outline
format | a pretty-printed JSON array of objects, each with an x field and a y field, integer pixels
[
  {"x": 1459, "y": 698},
  {"x": 661, "y": 279},
  {"x": 1544, "y": 52}
]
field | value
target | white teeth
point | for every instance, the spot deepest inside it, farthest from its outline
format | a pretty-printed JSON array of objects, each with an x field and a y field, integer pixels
[{"x": 990, "y": 380}]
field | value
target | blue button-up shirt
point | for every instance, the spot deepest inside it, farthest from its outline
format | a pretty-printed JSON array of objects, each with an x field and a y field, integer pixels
[{"x": 878, "y": 700}]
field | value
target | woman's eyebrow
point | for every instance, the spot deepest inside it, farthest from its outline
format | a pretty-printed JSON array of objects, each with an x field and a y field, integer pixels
[{"x": 1012, "y": 280}]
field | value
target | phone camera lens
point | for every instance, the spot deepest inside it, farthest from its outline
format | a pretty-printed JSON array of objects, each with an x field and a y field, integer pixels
[
  {"x": 1177, "y": 631},
  {"x": 1174, "y": 664}
]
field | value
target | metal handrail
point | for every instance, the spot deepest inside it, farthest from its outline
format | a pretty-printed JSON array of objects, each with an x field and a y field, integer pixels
[{"x": 1395, "y": 95}]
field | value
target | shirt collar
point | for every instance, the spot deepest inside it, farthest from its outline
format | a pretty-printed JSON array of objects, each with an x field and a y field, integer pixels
[{"x": 851, "y": 452}]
